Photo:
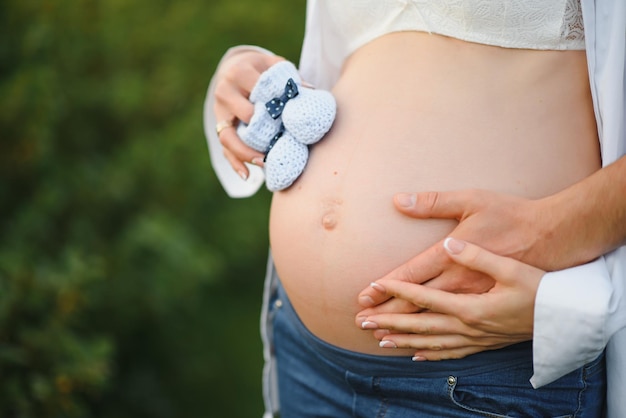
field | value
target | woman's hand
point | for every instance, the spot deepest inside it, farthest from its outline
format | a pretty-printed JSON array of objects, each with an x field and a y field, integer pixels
[
  {"x": 235, "y": 79},
  {"x": 456, "y": 325}
]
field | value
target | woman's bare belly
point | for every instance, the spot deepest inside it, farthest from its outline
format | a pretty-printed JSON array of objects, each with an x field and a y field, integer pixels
[{"x": 419, "y": 112}]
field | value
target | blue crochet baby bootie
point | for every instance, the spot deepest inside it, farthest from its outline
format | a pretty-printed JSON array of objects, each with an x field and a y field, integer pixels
[
  {"x": 287, "y": 118},
  {"x": 261, "y": 129},
  {"x": 285, "y": 162},
  {"x": 310, "y": 115},
  {"x": 272, "y": 82}
]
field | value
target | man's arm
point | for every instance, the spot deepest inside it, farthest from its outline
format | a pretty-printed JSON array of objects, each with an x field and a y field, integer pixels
[
  {"x": 563, "y": 230},
  {"x": 566, "y": 229},
  {"x": 583, "y": 221}
]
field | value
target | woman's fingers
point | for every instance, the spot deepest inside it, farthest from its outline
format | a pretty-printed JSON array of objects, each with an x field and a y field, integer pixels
[
  {"x": 239, "y": 167},
  {"x": 426, "y": 298},
  {"x": 251, "y": 69},
  {"x": 244, "y": 69},
  {"x": 236, "y": 147},
  {"x": 421, "y": 268},
  {"x": 238, "y": 80},
  {"x": 439, "y": 337},
  {"x": 451, "y": 354},
  {"x": 235, "y": 80},
  {"x": 232, "y": 103},
  {"x": 455, "y": 353},
  {"x": 436, "y": 344},
  {"x": 425, "y": 323},
  {"x": 391, "y": 306}
]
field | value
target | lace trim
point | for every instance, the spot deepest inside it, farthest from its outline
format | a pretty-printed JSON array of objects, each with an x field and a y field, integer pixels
[
  {"x": 529, "y": 24},
  {"x": 573, "y": 26}
]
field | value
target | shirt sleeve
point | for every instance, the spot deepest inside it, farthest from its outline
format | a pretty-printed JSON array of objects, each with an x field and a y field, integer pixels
[
  {"x": 577, "y": 311},
  {"x": 234, "y": 185}
]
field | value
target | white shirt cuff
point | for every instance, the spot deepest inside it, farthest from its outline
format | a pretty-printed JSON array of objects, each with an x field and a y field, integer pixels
[{"x": 572, "y": 309}]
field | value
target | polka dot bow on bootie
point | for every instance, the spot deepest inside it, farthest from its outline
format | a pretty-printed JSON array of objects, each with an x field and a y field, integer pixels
[{"x": 288, "y": 117}]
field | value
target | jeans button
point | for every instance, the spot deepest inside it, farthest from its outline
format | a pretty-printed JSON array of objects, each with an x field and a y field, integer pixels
[
  {"x": 278, "y": 303},
  {"x": 451, "y": 380}
]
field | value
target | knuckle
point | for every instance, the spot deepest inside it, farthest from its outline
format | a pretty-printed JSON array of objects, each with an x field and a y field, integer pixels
[
  {"x": 221, "y": 91},
  {"x": 406, "y": 273},
  {"x": 223, "y": 138},
  {"x": 510, "y": 270},
  {"x": 247, "y": 113},
  {"x": 230, "y": 141},
  {"x": 473, "y": 257},
  {"x": 234, "y": 73},
  {"x": 474, "y": 333},
  {"x": 424, "y": 304},
  {"x": 422, "y": 329},
  {"x": 476, "y": 195},
  {"x": 436, "y": 347},
  {"x": 441, "y": 255},
  {"x": 429, "y": 200},
  {"x": 472, "y": 317}
]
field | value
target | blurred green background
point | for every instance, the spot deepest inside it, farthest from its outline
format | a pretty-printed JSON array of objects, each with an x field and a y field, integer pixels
[{"x": 130, "y": 285}]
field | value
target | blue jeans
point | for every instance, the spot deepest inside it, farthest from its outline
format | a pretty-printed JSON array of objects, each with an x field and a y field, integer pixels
[{"x": 317, "y": 379}]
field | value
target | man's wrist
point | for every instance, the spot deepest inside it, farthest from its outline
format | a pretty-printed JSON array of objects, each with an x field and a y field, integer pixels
[{"x": 584, "y": 221}]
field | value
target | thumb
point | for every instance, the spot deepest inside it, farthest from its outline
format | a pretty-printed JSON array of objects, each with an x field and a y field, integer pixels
[
  {"x": 273, "y": 59},
  {"x": 444, "y": 205},
  {"x": 503, "y": 269},
  {"x": 265, "y": 61}
]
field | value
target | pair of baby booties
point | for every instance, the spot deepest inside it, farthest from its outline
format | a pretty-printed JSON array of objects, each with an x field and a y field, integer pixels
[{"x": 288, "y": 117}]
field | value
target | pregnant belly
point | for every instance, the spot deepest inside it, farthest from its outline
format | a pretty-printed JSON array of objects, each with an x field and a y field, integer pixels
[{"x": 336, "y": 230}]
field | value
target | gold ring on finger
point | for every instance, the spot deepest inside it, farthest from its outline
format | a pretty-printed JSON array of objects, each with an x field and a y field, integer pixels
[{"x": 223, "y": 124}]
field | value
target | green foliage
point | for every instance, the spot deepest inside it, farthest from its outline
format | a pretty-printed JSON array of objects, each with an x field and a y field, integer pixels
[{"x": 129, "y": 283}]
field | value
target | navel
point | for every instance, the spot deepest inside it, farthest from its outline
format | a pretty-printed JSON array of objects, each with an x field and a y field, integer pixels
[
  {"x": 329, "y": 221},
  {"x": 330, "y": 213}
]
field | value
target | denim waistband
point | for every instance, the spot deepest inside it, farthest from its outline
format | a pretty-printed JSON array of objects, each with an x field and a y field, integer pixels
[{"x": 368, "y": 364}]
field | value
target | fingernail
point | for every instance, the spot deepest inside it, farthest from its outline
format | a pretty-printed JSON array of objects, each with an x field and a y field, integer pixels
[
  {"x": 243, "y": 175},
  {"x": 366, "y": 301},
  {"x": 378, "y": 287},
  {"x": 369, "y": 325},
  {"x": 257, "y": 161},
  {"x": 453, "y": 246},
  {"x": 387, "y": 344},
  {"x": 406, "y": 200},
  {"x": 418, "y": 358}
]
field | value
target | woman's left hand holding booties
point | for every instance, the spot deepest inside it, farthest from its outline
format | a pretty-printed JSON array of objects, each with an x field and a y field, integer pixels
[{"x": 235, "y": 78}]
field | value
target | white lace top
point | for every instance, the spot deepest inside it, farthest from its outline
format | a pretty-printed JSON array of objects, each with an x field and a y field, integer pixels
[{"x": 529, "y": 24}]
